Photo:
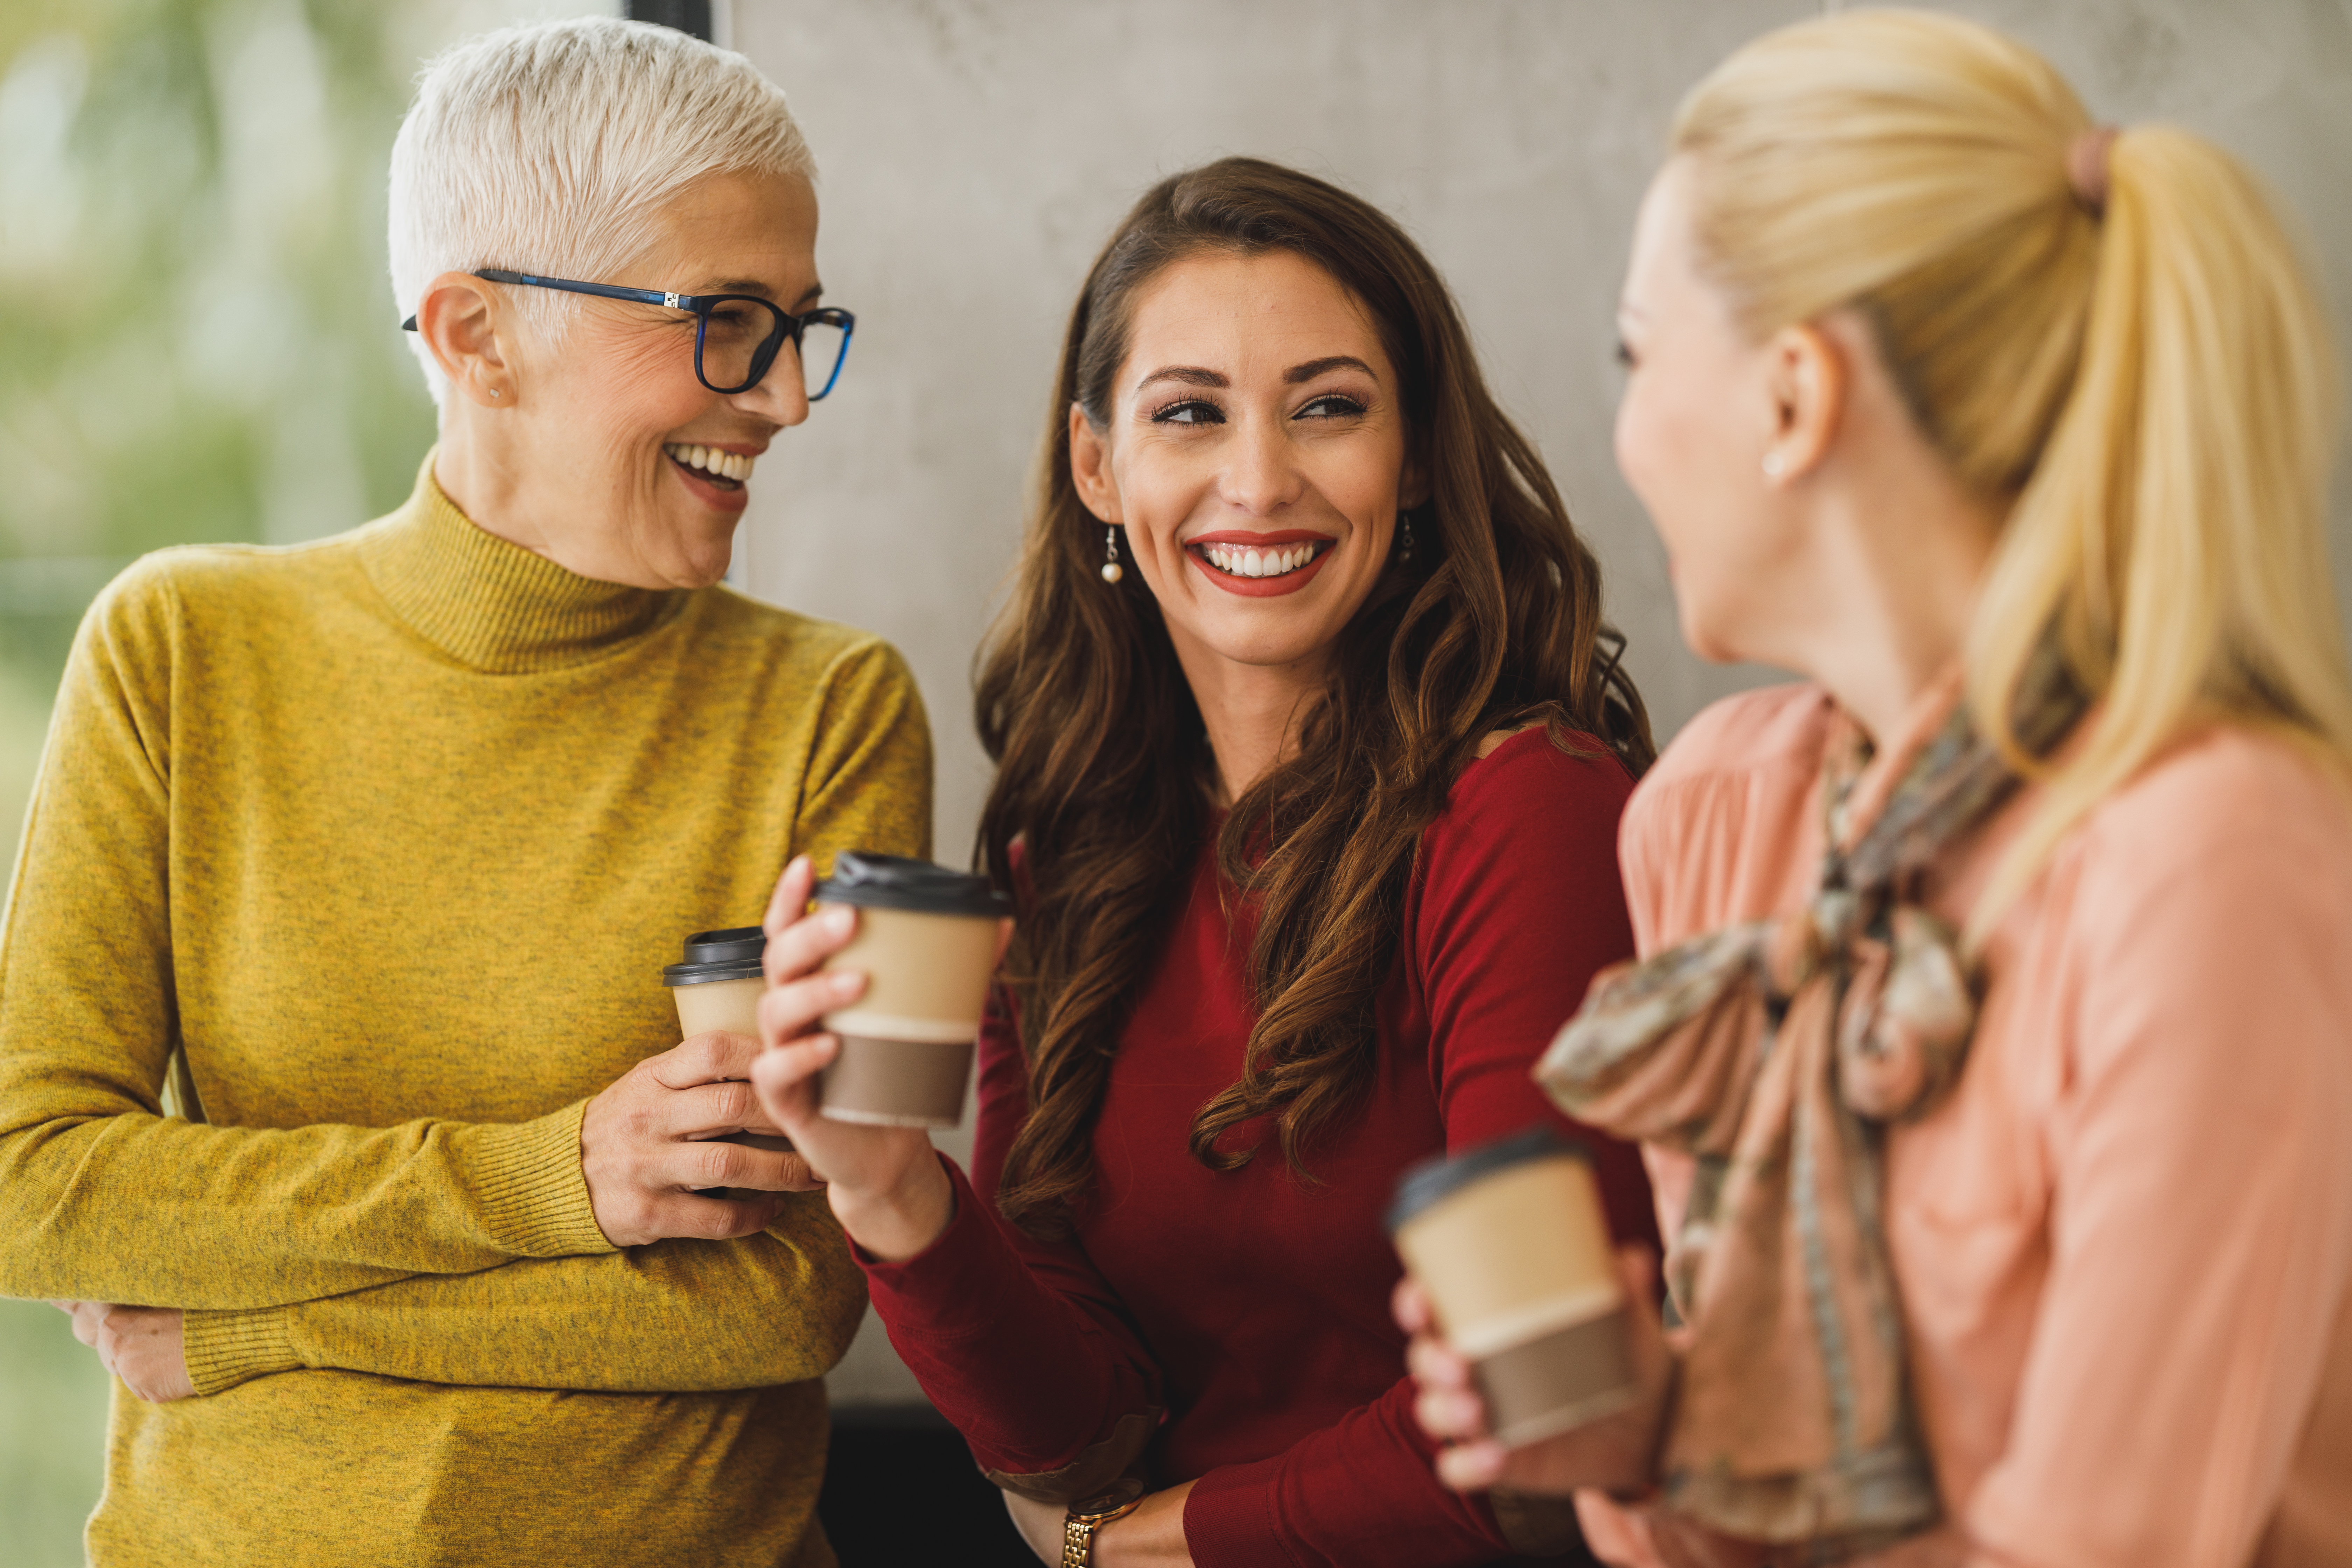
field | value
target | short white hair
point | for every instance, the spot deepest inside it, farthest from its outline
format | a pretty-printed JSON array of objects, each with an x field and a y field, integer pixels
[{"x": 551, "y": 149}]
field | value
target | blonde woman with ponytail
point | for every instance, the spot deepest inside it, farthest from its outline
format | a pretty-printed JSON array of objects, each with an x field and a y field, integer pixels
[{"x": 1992, "y": 1042}]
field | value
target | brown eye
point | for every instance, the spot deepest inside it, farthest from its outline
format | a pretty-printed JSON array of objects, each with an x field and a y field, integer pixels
[
  {"x": 1331, "y": 405},
  {"x": 1193, "y": 410},
  {"x": 734, "y": 324}
]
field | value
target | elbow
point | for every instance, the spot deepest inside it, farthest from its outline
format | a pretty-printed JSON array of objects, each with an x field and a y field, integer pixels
[{"x": 33, "y": 1216}]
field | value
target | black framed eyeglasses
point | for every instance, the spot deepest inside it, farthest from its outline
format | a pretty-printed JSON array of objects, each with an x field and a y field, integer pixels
[{"x": 736, "y": 336}]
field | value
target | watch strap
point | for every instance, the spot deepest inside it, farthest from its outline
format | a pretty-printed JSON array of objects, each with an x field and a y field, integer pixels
[{"x": 1089, "y": 1515}]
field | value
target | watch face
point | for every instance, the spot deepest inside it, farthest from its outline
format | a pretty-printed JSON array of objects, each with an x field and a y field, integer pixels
[{"x": 1117, "y": 1496}]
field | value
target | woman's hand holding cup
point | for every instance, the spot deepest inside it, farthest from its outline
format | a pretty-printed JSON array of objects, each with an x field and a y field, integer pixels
[
  {"x": 1613, "y": 1453},
  {"x": 1600, "y": 1463},
  {"x": 884, "y": 1183}
]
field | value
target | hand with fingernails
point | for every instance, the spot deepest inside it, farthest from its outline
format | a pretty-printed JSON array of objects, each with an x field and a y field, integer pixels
[
  {"x": 885, "y": 1184},
  {"x": 649, "y": 1148}
]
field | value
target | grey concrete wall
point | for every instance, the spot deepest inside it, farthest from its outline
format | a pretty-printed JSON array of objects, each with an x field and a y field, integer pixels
[{"x": 975, "y": 155}]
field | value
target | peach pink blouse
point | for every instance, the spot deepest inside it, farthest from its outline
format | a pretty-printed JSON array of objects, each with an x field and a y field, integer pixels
[{"x": 2123, "y": 1242}]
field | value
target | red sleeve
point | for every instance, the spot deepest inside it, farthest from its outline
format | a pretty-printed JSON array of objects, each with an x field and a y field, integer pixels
[
  {"x": 1018, "y": 1341},
  {"x": 1519, "y": 905},
  {"x": 1516, "y": 904}
]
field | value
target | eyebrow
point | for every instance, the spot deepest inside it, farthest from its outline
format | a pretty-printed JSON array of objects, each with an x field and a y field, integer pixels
[
  {"x": 754, "y": 286},
  {"x": 1194, "y": 376},
  {"x": 1315, "y": 367},
  {"x": 1190, "y": 374}
]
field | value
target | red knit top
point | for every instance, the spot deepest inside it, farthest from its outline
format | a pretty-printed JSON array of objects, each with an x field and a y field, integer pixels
[{"x": 1249, "y": 1306}]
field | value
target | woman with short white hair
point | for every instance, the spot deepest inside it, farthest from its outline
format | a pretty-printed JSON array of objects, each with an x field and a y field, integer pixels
[{"x": 373, "y": 850}]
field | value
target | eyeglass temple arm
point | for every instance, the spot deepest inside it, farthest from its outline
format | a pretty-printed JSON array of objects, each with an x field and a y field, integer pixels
[{"x": 606, "y": 291}]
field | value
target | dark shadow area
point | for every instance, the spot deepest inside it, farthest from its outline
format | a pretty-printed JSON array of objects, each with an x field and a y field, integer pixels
[{"x": 900, "y": 1489}]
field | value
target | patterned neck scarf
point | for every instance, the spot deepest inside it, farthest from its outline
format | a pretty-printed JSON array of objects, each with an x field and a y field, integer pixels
[{"x": 1775, "y": 1052}]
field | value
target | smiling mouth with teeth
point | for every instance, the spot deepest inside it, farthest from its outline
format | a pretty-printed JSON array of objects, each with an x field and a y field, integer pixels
[
  {"x": 1245, "y": 561},
  {"x": 726, "y": 470}
]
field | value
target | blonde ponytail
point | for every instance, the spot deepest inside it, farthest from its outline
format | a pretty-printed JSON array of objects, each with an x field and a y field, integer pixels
[{"x": 2147, "y": 388}]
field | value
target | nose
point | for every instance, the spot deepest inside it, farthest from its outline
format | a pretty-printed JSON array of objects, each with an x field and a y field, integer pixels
[
  {"x": 1260, "y": 478},
  {"x": 779, "y": 396}
]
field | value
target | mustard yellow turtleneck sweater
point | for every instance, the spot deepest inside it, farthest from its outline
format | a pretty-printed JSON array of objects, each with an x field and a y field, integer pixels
[{"x": 390, "y": 836}]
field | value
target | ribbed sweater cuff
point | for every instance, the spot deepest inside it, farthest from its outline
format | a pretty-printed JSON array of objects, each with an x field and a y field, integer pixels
[
  {"x": 534, "y": 1198},
  {"x": 224, "y": 1349}
]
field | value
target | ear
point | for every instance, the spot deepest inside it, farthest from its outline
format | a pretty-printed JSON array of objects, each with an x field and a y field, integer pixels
[
  {"x": 1090, "y": 467},
  {"x": 1807, "y": 378},
  {"x": 460, "y": 317}
]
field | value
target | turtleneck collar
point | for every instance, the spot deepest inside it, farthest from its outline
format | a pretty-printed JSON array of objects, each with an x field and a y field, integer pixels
[{"x": 495, "y": 606}]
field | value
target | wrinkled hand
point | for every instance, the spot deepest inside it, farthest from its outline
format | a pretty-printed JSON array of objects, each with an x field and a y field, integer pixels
[
  {"x": 141, "y": 1345},
  {"x": 1613, "y": 1453},
  {"x": 885, "y": 1184},
  {"x": 648, "y": 1145}
]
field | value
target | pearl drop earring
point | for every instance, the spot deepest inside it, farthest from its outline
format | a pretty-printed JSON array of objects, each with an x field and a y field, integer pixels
[
  {"x": 1112, "y": 571},
  {"x": 1404, "y": 553},
  {"x": 1775, "y": 465}
]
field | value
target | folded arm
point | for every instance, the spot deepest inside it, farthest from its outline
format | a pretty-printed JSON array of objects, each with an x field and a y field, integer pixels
[
  {"x": 672, "y": 1317},
  {"x": 104, "y": 1198}
]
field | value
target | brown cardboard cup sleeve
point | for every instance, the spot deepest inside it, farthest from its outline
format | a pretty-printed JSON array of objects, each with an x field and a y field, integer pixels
[{"x": 925, "y": 940}]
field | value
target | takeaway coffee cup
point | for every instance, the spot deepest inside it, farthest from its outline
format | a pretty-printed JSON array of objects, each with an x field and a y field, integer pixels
[
  {"x": 926, "y": 941},
  {"x": 717, "y": 987},
  {"x": 1510, "y": 1242}
]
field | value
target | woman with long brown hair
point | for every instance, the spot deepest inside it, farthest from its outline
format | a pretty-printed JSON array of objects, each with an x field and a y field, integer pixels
[{"x": 1311, "y": 747}]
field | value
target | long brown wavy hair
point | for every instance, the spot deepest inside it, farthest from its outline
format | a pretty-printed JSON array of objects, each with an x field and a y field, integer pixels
[{"x": 1103, "y": 770}]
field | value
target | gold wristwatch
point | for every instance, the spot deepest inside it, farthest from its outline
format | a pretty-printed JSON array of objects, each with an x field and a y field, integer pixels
[{"x": 1090, "y": 1514}]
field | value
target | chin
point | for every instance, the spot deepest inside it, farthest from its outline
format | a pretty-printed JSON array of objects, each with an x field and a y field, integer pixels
[
  {"x": 1270, "y": 650},
  {"x": 1705, "y": 639},
  {"x": 699, "y": 562}
]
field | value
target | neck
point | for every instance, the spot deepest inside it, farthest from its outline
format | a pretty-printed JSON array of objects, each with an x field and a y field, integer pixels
[
  {"x": 477, "y": 471},
  {"x": 484, "y": 466},
  {"x": 1252, "y": 712},
  {"x": 1892, "y": 636},
  {"x": 1891, "y": 605}
]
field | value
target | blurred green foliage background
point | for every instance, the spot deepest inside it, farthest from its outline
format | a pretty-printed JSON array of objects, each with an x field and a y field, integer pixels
[{"x": 197, "y": 343}]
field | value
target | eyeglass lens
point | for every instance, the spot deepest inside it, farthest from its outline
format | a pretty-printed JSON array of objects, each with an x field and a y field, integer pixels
[{"x": 736, "y": 330}]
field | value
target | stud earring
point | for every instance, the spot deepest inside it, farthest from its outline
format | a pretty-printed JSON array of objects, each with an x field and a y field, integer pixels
[
  {"x": 1112, "y": 570},
  {"x": 1775, "y": 465},
  {"x": 1405, "y": 551}
]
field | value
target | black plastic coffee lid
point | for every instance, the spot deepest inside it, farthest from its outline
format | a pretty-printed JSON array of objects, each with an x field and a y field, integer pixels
[
  {"x": 1433, "y": 1181},
  {"x": 895, "y": 882},
  {"x": 730, "y": 954}
]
